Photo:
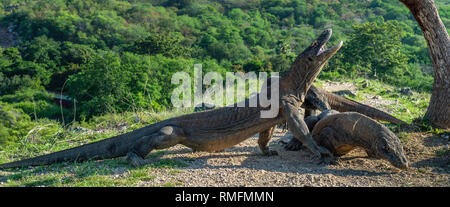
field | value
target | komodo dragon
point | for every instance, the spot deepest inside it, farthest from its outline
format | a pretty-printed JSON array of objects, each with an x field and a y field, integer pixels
[
  {"x": 213, "y": 130},
  {"x": 342, "y": 132},
  {"x": 317, "y": 98}
]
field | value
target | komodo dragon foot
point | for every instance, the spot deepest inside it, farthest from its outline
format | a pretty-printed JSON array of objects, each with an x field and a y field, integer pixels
[
  {"x": 293, "y": 145},
  {"x": 263, "y": 140},
  {"x": 135, "y": 159}
]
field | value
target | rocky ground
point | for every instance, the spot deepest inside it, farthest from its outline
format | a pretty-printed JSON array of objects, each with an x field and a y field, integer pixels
[{"x": 244, "y": 165}]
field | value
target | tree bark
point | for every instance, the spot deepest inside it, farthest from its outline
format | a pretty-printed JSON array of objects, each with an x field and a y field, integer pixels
[{"x": 426, "y": 14}]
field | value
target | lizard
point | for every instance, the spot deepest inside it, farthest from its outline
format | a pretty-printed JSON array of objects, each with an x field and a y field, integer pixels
[
  {"x": 320, "y": 99},
  {"x": 342, "y": 132},
  {"x": 216, "y": 129}
]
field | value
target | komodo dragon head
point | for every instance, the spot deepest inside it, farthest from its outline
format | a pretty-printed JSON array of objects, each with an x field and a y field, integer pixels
[
  {"x": 308, "y": 64},
  {"x": 387, "y": 146}
]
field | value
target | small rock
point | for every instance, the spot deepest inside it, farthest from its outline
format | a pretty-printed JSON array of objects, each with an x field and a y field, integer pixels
[
  {"x": 123, "y": 128},
  {"x": 406, "y": 91},
  {"x": 365, "y": 84},
  {"x": 345, "y": 92},
  {"x": 204, "y": 107},
  {"x": 404, "y": 110},
  {"x": 80, "y": 129},
  {"x": 377, "y": 97}
]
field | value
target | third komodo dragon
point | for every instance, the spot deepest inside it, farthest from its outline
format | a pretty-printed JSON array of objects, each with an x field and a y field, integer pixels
[{"x": 317, "y": 98}]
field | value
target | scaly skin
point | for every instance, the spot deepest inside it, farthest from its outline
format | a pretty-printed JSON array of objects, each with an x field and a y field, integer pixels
[
  {"x": 342, "y": 132},
  {"x": 212, "y": 130}
]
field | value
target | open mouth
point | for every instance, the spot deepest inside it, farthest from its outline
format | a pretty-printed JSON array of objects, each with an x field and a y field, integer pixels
[
  {"x": 323, "y": 39},
  {"x": 332, "y": 49}
]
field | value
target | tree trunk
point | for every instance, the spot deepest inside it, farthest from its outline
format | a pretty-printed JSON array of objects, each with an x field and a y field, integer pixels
[{"x": 426, "y": 14}]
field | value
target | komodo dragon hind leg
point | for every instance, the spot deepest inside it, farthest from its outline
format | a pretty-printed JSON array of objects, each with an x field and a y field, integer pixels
[
  {"x": 166, "y": 137},
  {"x": 263, "y": 140}
]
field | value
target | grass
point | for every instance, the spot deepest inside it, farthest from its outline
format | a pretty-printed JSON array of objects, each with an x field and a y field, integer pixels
[
  {"x": 442, "y": 152},
  {"x": 48, "y": 136},
  {"x": 408, "y": 108},
  {"x": 114, "y": 172}
]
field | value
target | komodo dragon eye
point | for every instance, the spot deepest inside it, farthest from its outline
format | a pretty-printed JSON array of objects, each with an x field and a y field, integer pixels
[
  {"x": 310, "y": 59},
  {"x": 385, "y": 149}
]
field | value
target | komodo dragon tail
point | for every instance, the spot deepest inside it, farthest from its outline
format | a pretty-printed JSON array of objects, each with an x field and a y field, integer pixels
[
  {"x": 108, "y": 148},
  {"x": 342, "y": 104},
  {"x": 91, "y": 151}
]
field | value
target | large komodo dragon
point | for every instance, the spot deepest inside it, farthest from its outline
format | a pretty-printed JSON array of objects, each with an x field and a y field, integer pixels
[
  {"x": 342, "y": 132},
  {"x": 213, "y": 130}
]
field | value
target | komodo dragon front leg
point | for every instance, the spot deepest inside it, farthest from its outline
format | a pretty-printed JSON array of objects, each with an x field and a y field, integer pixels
[
  {"x": 300, "y": 130},
  {"x": 166, "y": 137}
]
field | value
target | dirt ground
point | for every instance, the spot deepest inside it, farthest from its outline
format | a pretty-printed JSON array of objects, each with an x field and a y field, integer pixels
[{"x": 244, "y": 165}]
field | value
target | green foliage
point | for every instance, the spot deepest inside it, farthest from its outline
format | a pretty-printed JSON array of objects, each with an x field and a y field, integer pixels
[
  {"x": 164, "y": 44},
  {"x": 113, "y": 83},
  {"x": 16, "y": 73},
  {"x": 374, "y": 49},
  {"x": 14, "y": 124}
]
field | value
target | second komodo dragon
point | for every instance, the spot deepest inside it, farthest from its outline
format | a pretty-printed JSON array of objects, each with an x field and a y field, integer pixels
[
  {"x": 342, "y": 132},
  {"x": 213, "y": 130}
]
